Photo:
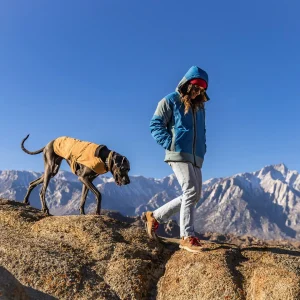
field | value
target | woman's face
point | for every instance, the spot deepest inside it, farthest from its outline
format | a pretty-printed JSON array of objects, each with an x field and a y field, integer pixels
[{"x": 195, "y": 90}]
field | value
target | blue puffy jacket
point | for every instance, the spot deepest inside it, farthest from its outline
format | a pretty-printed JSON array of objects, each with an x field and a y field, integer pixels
[{"x": 182, "y": 135}]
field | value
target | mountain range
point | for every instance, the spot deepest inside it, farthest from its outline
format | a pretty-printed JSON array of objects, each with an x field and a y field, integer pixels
[{"x": 265, "y": 203}]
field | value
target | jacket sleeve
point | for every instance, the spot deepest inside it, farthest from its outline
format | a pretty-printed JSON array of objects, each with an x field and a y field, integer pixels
[{"x": 159, "y": 122}]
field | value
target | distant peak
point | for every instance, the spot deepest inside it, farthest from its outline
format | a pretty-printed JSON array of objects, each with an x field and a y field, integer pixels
[
  {"x": 278, "y": 171},
  {"x": 282, "y": 168}
]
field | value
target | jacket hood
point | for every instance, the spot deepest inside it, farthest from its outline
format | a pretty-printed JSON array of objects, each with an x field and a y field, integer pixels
[{"x": 192, "y": 73}]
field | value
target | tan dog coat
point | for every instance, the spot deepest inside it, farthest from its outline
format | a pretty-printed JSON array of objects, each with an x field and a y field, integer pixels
[{"x": 77, "y": 151}]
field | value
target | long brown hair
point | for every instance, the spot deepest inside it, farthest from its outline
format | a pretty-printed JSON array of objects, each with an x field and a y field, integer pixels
[{"x": 196, "y": 104}]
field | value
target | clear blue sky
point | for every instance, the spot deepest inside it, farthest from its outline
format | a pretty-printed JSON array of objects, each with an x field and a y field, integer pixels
[{"x": 95, "y": 70}]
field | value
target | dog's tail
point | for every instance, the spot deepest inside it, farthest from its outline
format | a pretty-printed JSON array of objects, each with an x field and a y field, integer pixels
[{"x": 27, "y": 151}]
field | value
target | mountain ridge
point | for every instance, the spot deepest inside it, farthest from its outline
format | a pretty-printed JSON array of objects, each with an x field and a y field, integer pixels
[{"x": 264, "y": 203}]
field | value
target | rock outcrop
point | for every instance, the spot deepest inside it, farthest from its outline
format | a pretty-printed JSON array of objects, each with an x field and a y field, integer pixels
[{"x": 92, "y": 257}]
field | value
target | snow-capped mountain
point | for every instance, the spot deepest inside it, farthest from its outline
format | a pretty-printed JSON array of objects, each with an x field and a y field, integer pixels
[{"x": 265, "y": 204}]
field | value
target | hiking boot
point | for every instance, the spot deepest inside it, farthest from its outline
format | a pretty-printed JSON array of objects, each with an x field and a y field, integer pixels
[
  {"x": 191, "y": 244},
  {"x": 151, "y": 224}
]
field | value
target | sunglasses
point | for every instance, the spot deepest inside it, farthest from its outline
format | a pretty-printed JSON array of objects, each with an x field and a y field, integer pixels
[{"x": 200, "y": 91}]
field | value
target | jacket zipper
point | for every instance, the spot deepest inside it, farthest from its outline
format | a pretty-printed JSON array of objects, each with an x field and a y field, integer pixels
[{"x": 195, "y": 133}]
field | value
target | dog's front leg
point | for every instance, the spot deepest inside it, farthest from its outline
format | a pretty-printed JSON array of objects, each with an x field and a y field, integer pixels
[{"x": 92, "y": 188}]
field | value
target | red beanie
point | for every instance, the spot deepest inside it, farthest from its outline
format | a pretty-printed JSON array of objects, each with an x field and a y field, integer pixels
[{"x": 198, "y": 81}]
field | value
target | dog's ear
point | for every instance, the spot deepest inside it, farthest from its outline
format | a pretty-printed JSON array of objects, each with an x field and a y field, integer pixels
[{"x": 125, "y": 164}]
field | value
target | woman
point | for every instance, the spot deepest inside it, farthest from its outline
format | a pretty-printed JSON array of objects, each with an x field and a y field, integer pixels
[{"x": 178, "y": 125}]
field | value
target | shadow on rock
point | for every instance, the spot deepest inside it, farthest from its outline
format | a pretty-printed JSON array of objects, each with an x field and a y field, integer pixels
[{"x": 12, "y": 289}]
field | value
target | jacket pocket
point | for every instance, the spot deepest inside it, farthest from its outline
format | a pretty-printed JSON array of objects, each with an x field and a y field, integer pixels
[{"x": 183, "y": 140}]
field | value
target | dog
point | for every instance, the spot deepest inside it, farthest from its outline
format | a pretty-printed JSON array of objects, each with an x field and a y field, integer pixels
[{"x": 87, "y": 161}]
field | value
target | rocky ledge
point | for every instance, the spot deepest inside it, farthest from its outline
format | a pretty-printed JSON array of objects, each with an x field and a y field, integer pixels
[{"x": 92, "y": 257}]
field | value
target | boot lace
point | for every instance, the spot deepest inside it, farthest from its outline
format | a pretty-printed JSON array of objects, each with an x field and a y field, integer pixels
[
  {"x": 155, "y": 225},
  {"x": 195, "y": 241}
]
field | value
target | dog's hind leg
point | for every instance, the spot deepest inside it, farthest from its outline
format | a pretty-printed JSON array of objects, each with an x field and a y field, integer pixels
[
  {"x": 47, "y": 177},
  {"x": 32, "y": 185},
  {"x": 83, "y": 198},
  {"x": 56, "y": 166},
  {"x": 92, "y": 188},
  {"x": 52, "y": 163},
  {"x": 40, "y": 180}
]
